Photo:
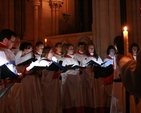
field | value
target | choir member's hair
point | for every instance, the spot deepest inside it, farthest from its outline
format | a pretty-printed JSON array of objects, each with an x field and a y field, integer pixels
[
  {"x": 39, "y": 43},
  {"x": 66, "y": 48},
  {"x": 25, "y": 45},
  {"x": 46, "y": 51},
  {"x": 1, "y": 37},
  {"x": 133, "y": 45},
  {"x": 109, "y": 48},
  {"x": 95, "y": 53},
  {"x": 57, "y": 44},
  {"x": 81, "y": 43},
  {"x": 119, "y": 43},
  {"x": 7, "y": 33}
]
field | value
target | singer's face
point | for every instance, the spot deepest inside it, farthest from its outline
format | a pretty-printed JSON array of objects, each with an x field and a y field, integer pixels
[
  {"x": 70, "y": 50},
  {"x": 91, "y": 48},
  {"x": 134, "y": 50},
  {"x": 59, "y": 48},
  {"x": 112, "y": 52},
  {"x": 50, "y": 54},
  {"x": 81, "y": 48},
  {"x": 40, "y": 48}
]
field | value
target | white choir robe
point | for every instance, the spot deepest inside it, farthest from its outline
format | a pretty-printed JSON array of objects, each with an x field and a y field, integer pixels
[
  {"x": 15, "y": 51},
  {"x": 96, "y": 92},
  {"x": 69, "y": 60},
  {"x": 20, "y": 59},
  {"x": 50, "y": 87},
  {"x": 71, "y": 87},
  {"x": 59, "y": 57},
  {"x": 79, "y": 57},
  {"x": 51, "y": 92},
  {"x": 87, "y": 83},
  {"x": 30, "y": 96},
  {"x": 5, "y": 56}
]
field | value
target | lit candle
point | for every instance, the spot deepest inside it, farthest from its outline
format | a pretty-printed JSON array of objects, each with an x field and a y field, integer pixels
[
  {"x": 45, "y": 42},
  {"x": 125, "y": 35}
]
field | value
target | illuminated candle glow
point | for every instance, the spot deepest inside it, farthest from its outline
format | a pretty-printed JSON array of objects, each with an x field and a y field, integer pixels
[
  {"x": 45, "y": 42},
  {"x": 125, "y": 35}
]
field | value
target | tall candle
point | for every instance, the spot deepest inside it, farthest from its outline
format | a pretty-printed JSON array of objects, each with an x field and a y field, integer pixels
[
  {"x": 45, "y": 42},
  {"x": 125, "y": 36}
]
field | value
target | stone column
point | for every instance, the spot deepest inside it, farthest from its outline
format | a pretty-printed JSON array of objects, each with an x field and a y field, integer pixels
[
  {"x": 55, "y": 6},
  {"x": 106, "y": 23},
  {"x": 36, "y": 4}
]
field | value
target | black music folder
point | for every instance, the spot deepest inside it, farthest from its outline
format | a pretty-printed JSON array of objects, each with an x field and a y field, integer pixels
[
  {"x": 72, "y": 67},
  {"x": 103, "y": 71},
  {"x": 8, "y": 70},
  {"x": 26, "y": 62},
  {"x": 92, "y": 63},
  {"x": 55, "y": 67}
]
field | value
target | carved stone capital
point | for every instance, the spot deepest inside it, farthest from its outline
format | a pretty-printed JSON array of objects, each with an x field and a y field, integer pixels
[
  {"x": 55, "y": 4},
  {"x": 36, "y": 3}
]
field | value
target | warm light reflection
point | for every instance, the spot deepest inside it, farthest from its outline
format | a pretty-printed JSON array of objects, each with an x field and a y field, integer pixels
[{"x": 45, "y": 42}]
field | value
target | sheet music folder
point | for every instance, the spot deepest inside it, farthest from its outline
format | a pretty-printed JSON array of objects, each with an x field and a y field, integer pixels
[
  {"x": 72, "y": 67},
  {"x": 8, "y": 71},
  {"x": 103, "y": 71},
  {"x": 56, "y": 66},
  {"x": 26, "y": 62},
  {"x": 92, "y": 63},
  {"x": 53, "y": 67},
  {"x": 100, "y": 71}
]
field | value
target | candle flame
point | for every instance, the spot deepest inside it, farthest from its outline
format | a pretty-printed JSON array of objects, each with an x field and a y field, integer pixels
[{"x": 125, "y": 28}]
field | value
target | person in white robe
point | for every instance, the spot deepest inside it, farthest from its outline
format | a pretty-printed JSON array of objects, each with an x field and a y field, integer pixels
[
  {"x": 50, "y": 83},
  {"x": 108, "y": 81},
  {"x": 58, "y": 52},
  {"x": 71, "y": 92},
  {"x": 29, "y": 87},
  {"x": 8, "y": 102},
  {"x": 38, "y": 50},
  {"x": 25, "y": 53},
  {"x": 94, "y": 90},
  {"x": 80, "y": 52}
]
